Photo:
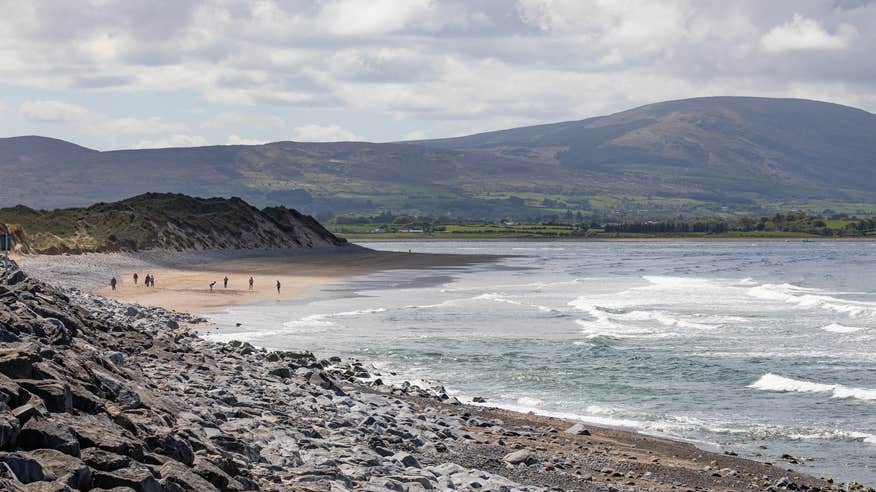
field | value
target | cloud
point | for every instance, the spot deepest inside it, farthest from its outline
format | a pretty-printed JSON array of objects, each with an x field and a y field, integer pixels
[
  {"x": 236, "y": 140},
  {"x": 48, "y": 111},
  {"x": 231, "y": 119},
  {"x": 267, "y": 69},
  {"x": 180, "y": 140},
  {"x": 318, "y": 133},
  {"x": 801, "y": 33}
]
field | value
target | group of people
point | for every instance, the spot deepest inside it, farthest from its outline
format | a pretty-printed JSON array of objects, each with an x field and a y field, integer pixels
[
  {"x": 149, "y": 281},
  {"x": 251, "y": 284}
]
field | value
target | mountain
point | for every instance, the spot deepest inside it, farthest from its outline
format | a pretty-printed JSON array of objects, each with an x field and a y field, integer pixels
[
  {"x": 718, "y": 144},
  {"x": 700, "y": 157},
  {"x": 162, "y": 221}
]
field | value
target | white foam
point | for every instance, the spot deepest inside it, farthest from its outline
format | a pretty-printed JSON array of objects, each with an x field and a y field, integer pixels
[
  {"x": 496, "y": 297},
  {"x": 835, "y": 435},
  {"x": 807, "y": 298},
  {"x": 529, "y": 402},
  {"x": 838, "y": 328},
  {"x": 773, "y": 382}
]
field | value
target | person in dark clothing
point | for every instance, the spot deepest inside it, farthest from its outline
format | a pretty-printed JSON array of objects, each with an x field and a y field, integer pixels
[
  {"x": 211, "y": 285},
  {"x": 225, "y": 282},
  {"x": 147, "y": 280},
  {"x": 278, "y": 286},
  {"x": 250, "y": 283},
  {"x": 113, "y": 284},
  {"x": 135, "y": 278}
]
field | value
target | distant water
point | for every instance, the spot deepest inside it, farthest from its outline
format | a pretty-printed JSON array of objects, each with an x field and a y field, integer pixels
[{"x": 759, "y": 348}]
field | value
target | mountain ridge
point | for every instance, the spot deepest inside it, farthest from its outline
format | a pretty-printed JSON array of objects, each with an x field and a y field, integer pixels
[{"x": 698, "y": 156}]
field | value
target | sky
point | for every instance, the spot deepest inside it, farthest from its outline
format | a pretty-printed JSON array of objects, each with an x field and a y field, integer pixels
[{"x": 112, "y": 74}]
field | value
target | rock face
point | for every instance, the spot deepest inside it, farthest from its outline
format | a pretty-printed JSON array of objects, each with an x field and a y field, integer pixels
[{"x": 110, "y": 397}]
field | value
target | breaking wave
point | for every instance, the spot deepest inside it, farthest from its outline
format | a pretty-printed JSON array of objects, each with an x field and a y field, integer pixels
[{"x": 774, "y": 382}]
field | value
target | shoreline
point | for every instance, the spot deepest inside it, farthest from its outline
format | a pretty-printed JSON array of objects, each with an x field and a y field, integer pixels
[
  {"x": 183, "y": 279},
  {"x": 627, "y": 458},
  {"x": 798, "y": 239}
]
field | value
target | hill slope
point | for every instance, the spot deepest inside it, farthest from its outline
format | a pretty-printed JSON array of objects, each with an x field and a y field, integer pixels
[
  {"x": 701, "y": 156},
  {"x": 163, "y": 221},
  {"x": 738, "y": 144}
]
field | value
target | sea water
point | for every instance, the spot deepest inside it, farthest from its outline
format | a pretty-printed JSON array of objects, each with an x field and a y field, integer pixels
[{"x": 763, "y": 348}]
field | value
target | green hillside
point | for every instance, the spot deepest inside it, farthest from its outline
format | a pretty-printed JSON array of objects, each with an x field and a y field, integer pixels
[{"x": 713, "y": 157}]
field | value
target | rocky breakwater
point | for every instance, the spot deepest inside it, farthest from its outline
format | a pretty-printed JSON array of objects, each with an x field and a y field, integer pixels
[{"x": 98, "y": 395}]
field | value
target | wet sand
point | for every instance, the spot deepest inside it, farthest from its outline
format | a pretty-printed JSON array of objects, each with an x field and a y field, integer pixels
[{"x": 188, "y": 288}]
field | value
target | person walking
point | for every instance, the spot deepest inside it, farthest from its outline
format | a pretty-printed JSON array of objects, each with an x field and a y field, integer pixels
[
  {"x": 135, "y": 278},
  {"x": 278, "y": 286},
  {"x": 225, "y": 282},
  {"x": 250, "y": 283},
  {"x": 211, "y": 285},
  {"x": 113, "y": 284}
]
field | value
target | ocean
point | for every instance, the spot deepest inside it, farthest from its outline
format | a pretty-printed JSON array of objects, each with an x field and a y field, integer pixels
[{"x": 760, "y": 348}]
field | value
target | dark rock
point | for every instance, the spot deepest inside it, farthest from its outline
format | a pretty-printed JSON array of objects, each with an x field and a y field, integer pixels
[
  {"x": 281, "y": 372},
  {"x": 85, "y": 401},
  {"x": 122, "y": 394},
  {"x": 55, "y": 394},
  {"x": 215, "y": 475},
  {"x": 407, "y": 460},
  {"x": 173, "y": 472},
  {"x": 172, "y": 446},
  {"x": 104, "y": 460},
  {"x": 43, "y": 432},
  {"x": 18, "y": 364},
  {"x": 98, "y": 431},
  {"x": 234, "y": 445},
  {"x": 30, "y": 410},
  {"x": 136, "y": 477},
  {"x": 68, "y": 470},
  {"x": 247, "y": 483},
  {"x": 116, "y": 358},
  {"x": 25, "y": 468},
  {"x": 9, "y": 427}
]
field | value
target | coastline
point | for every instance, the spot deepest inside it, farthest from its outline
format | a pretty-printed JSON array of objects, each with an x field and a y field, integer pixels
[
  {"x": 589, "y": 459},
  {"x": 183, "y": 279}
]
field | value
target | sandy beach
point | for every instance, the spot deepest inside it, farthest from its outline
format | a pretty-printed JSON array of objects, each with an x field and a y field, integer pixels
[{"x": 182, "y": 280}]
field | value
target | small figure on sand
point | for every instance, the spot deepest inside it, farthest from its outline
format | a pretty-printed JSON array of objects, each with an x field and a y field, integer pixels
[
  {"x": 151, "y": 280},
  {"x": 250, "y": 283},
  {"x": 136, "y": 277},
  {"x": 278, "y": 286},
  {"x": 225, "y": 282},
  {"x": 113, "y": 284},
  {"x": 147, "y": 280},
  {"x": 211, "y": 285}
]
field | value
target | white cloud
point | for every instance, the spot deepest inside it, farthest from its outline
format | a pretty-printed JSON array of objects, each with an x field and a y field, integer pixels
[
  {"x": 230, "y": 119},
  {"x": 81, "y": 120},
  {"x": 49, "y": 111},
  {"x": 180, "y": 140},
  {"x": 318, "y": 133},
  {"x": 358, "y": 17},
  {"x": 260, "y": 69},
  {"x": 801, "y": 33},
  {"x": 236, "y": 140}
]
